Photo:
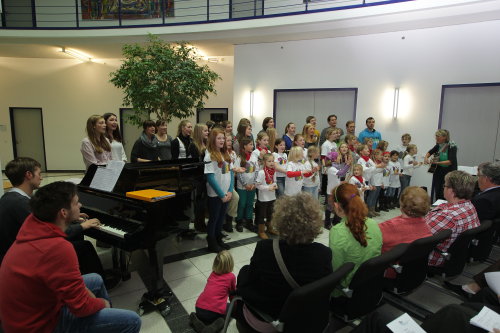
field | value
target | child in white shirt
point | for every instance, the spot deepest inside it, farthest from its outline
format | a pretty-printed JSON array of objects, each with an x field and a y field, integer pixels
[
  {"x": 394, "y": 182},
  {"x": 280, "y": 161},
  {"x": 266, "y": 186},
  {"x": 295, "y": 171},
  {"x": 311, "y": 184},
  {"x": 409, "y": 165}
]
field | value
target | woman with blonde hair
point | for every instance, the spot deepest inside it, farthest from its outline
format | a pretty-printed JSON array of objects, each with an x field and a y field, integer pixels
[
  {"x": 95, "y": 148},
  {"x": 180, "y": 145},
  {"x": 356, "y": 238},
  {"x": 310, "y": 137},
  {"x": 199, "y": 141},
  {"x": 298, "y": 220}
]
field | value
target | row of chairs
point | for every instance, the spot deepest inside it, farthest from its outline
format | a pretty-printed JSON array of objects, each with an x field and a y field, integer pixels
[{"x": 307, "y": 308}]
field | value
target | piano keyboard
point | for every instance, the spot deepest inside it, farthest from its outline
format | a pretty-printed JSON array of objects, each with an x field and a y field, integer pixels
[{"x": 112, "y": 231}]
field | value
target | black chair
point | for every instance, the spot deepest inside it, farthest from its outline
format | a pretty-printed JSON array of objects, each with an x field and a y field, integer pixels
[
  {"x": 306, "y": 309},
  {"x": 365, "y": 290},
  {"x": 482, "y": 244},
  {"x": 457, "y": 254},
  {"x": 411, "y": 268}
]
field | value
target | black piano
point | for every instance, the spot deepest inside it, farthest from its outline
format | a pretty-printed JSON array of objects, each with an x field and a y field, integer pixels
[{"x": 131, "y": 224}]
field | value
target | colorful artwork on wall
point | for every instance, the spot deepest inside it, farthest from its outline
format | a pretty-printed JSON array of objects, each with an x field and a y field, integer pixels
[{"x": 127, "y": 9}]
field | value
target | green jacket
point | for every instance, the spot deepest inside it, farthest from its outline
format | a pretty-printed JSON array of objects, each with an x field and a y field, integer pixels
[{"x": 345, "y": 248}]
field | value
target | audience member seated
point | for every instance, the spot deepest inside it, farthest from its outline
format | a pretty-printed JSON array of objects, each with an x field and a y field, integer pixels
[
  {"x": 298, "y": 220},
  {"x": 487, "y": 201},
  {"x": 356, "y": 238},
  {"x": 458, "y": 214},
  {"x": 410, "y": 225},
  {"x": 478, "y": 284},
  {"x": 42, "y": 289}
]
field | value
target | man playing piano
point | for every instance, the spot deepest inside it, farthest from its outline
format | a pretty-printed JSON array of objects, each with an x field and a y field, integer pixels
[{"x": 40, "y": 283}]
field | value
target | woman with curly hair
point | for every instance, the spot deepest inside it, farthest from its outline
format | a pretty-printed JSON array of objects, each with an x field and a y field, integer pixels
[
  {"x": 356, "y": 238},
  {"x": 298, "y": 220}
]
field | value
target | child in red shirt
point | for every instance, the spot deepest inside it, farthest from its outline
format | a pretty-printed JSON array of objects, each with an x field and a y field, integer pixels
[{"x": 212, "y": 302}]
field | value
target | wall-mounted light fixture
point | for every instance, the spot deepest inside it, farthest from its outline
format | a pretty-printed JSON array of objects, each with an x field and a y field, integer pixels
[
  {"x": 395, "y": 106},
  {"x": 76, "y": 54},
  {"x": 251, "y": 102}
]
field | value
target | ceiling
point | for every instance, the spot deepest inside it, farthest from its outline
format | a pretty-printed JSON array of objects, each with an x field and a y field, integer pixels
[{"x": 218, "y": 39}]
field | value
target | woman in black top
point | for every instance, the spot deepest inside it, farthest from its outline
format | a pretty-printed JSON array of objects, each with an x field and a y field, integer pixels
[
  {"x": 164, "y": 140},
  {"x": 180, "y": 145},
  {"x": 445, "y": 160},
  {"x": 146, "y": 147}
]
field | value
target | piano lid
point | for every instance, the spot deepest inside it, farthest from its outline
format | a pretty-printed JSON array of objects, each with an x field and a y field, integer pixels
[{"x": 170, "y": 175}]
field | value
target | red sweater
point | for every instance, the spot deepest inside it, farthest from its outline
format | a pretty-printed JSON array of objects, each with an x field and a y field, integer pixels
[
  {"x": 403, "y": 230},
  {"x": 39, "y": 275}
]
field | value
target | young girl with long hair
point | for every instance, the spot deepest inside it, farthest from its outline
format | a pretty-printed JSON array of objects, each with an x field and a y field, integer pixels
[
  {"x": 271, "y": 133},
  {"x": 266, "y": 185},
  {"x": 245, "y": 185},
  {"x": 199, "y": 141},
  {"x": 212, "y": 303},
  {"x": 197, "y": 150},
  {"x": 114, "y": 137},
  {"x": 280, "y": 161},
  {"x": 262, "y": 146},
  {"x": 164, "y": 140},
  {"x": 410, "y": 163},
  {"x": 311, "y": 184},
  {"x": 298, "y": 141},
  {"x": 375, "y": 181},
  {"x": 295, "y": 171},
  {"x": 244, "y": 130},
  {"x": 220, "y": 179},
  {"x": 289, "y": 135},
  {"x": 180, "y": 146},
  {"x": 356, "y": 238},
  {"x": 369, "y": 168},
  {"x": 95, "y": 147},
  {"x": 309, "y": 134},
  {"x": 394, "y": 179},
  {"x": 232, "y": 208}
]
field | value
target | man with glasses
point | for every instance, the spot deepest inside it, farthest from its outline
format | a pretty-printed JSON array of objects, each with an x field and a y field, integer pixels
[
  {"x": 487, "y": 202},
  {"x": 458, "y": 214}
]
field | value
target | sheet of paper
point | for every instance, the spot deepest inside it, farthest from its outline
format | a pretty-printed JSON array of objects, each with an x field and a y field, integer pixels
[
  {"x": 469, "y": 169},
  {"x": 439, "y": 202},
  {"x": 404, "y": 324},
  {"x": 486, "y": 319},
  {"x": 493, "y": 281},
  {"x": 105, "y": 178}
]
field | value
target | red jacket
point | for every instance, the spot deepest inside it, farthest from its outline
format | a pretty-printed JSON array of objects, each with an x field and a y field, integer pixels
[{"x": 39, "y": 275}]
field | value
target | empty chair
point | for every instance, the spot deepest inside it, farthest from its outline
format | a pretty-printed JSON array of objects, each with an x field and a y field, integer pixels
[
  {"x": 457, "y": 254},
  {"x": 306, "y": 309},
  {"x": 365, "y": 290},
  {"x": 411, "y": 268},
  {"x": 482, "y": 243}
]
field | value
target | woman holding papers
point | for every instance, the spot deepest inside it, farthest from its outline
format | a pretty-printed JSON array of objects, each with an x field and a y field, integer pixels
[
  {"x": 146, "y": 147},
  {"x": 95, "y": 148}
]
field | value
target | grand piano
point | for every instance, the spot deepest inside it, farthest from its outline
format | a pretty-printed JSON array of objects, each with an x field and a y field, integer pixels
[{"x": 130, "y": 224}]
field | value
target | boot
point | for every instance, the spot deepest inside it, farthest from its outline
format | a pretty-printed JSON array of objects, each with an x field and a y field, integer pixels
[
  {"x": 221, "y": 243},
  {"x": 249, "y": 225},
  {"x": 270, "y": 229},
  {"x": 196, "y": 323},
  {"x": 262, "y": 231},
  {"x": 328, "y": 219},
  {"x": 214, "y": 327},
  {"x": 239, "y": 225},
  {"x": 228, "y": 225},
  {"x": 213, "y": 246}
]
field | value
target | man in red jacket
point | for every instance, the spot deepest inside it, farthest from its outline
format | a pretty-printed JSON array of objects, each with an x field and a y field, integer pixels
[{"x": 41, "y": 289}]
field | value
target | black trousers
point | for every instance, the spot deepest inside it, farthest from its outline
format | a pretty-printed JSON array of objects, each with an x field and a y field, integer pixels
[{"x": 263, "y": 209}]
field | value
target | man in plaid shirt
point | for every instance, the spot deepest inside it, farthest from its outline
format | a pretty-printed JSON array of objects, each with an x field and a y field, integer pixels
[{"x": 458, "y": 214}]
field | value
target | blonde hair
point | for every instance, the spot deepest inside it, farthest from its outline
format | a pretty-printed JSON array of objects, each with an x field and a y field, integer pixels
[
  {"x": 329, "y": 132},
  {"x": 98, "y": 140},
  {"x": 306, "y": 136},
  {"x": 296, "y": 154},
  {"x": 271, "y": 133},
  {"x": 261, "y": 136},
  {"x": 223, "y": 263},
  {"x": 409, "y": 148},
  {"x": 198, "y": 140},
  {"x": 182, "y": 124},
  {"x": 310, "y": 151},
  {"x": 443, "y": 132}
]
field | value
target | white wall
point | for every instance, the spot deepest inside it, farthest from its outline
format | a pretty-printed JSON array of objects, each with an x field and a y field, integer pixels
[
  {"x": 419, "y": 64},
  {"x": 69, "y": 91}
]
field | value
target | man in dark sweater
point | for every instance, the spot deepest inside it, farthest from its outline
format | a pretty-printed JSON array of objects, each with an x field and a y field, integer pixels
[
  {"x": 486, "y": 202},
  {"x": 25, "y": 175}
]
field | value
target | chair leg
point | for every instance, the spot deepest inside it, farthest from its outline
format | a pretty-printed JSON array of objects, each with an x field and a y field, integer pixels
[{"x": 229, "y": 312}]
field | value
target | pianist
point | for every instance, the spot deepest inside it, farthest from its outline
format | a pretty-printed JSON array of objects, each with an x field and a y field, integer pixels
[{"x": 41, "y": 287}]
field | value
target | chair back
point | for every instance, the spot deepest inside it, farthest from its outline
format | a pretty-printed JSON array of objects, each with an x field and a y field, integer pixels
[
  {"x": 307, "y": 308},
  {"x": 413, "y": 270},
  {"x": 367, "y": 284},
  {"x": 482, "y": 244},
  {"x": 459, "y": 251}
]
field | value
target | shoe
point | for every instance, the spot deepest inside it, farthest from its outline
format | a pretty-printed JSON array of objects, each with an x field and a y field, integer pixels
[
  {"x": 228, "y": 225},
  {"x": 239, "y": 226},
  {"x": 196, "y": 323},
  {"x": 214, "y": 327},
  {"x": 213, "y": 245},
  {"x": 248, "y": 224},
  {"x": 457, "y": 289},
  {"x": 221, "y": 243},
  {"x": 262, "y": 231}
]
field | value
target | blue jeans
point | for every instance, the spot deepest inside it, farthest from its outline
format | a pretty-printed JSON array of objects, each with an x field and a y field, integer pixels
[
  {"x": 371, "y": 201},
  {"x": 390, "y": 192},
  {"x": 405, "y": 182},
  {"x": 107, "y": 320},
  {"x": 280, "y": 181},
  {"x": 313, "y": 190},
  {"x": 217, "y": 213}
]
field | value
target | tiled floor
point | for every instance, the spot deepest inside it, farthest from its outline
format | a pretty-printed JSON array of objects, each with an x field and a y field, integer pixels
[{"x": 186, "y": 271}]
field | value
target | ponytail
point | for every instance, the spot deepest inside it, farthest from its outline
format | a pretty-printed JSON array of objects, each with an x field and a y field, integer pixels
[{"x": 347, "y": 196}]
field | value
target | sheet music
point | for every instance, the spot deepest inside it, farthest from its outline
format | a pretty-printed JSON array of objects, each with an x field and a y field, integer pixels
[
  {"x": 469, "y": 169},
  {"x": 439, "y": 202},
  {"x": 493, "y": 281},
  {"x": 105, "y": 178},
  {"x": 486, "y": 319},
  {"x": 404, "y": 324}
]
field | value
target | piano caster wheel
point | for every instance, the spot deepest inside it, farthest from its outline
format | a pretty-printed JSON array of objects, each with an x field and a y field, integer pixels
[
  {"x": 164, "y": 309},
  {"x": 160, "y": 304}
]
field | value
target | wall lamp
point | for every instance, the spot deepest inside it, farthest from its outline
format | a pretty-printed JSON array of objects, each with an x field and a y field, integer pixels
[
  {"x": 251, "y": 102},
  {"x": 76, "y": 54},
  {"x": 396, "y": 104}
]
